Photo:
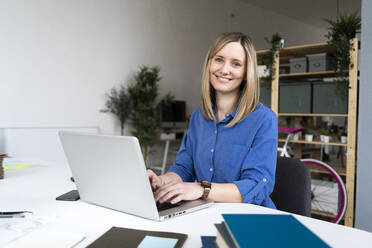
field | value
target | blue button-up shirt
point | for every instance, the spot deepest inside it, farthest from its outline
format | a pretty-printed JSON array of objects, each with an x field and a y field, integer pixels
[{"x": 244, "y": 154}]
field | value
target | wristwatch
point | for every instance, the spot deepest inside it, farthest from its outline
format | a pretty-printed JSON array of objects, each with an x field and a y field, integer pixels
[{"x": 207, "y": 188}]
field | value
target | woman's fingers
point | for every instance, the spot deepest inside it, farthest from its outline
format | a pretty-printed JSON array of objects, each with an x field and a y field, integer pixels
[
  {"x": 176, "y": 191},
  {"x": 154, "y": 179},
  {"x": 170, "y": 195},
  {"x": 164, "y": 190},
  {"x": 177, "y": 199}
]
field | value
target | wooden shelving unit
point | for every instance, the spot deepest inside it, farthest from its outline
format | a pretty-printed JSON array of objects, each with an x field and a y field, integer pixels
[
  {"x": 325, "y": 214},
  {"x": 314, "y": 142},
  {"x": 282, "y": 57},
  {"x": 311, "y": 115}
]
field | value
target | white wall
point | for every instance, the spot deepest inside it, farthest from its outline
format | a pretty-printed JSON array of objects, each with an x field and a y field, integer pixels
[
  {"x": 59, "y": 57},
  {"x": 38, "y": 143}
]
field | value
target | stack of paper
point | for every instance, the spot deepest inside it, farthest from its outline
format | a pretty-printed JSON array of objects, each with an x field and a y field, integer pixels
[{"x": 46, "y": 239}]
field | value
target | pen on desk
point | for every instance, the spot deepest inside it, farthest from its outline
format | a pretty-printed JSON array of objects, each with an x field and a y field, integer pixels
[{"x": 14, "y": 214}]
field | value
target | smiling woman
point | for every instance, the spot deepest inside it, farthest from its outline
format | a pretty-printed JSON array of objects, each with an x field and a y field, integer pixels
[
  {"x": 236, "y": 54},
  {"x": 227, "y": 69},
  {"x": 229, "y": 152}
]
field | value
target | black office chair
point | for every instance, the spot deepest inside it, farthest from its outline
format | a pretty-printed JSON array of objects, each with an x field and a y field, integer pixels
[{"x": 292, "y": 190}]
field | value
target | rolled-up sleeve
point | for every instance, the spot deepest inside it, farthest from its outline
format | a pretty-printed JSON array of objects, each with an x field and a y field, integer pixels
[{"x": 258, "y": 169}]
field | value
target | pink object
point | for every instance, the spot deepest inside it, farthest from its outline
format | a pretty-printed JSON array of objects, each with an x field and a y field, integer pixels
[{"x": 290, "y": 130}]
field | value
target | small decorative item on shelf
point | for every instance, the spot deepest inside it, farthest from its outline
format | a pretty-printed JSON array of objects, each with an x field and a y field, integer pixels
[
  {"x": 324, "y": 135},
  {"x": 309, "y": 133},
  {"x": 296, "y": 136},
  {"x": 343, "y": 138}
]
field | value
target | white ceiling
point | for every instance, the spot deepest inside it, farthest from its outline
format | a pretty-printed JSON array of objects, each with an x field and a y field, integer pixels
[{"x": 309, "y": 11}]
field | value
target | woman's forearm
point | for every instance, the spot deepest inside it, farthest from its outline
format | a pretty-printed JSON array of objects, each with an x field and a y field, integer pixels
[
  {"x": 220, "y": 192},
  {"x": 225, "y": 192}
]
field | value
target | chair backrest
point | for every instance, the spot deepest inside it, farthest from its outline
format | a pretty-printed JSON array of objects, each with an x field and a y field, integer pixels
[{"x": 292, "y": 190}]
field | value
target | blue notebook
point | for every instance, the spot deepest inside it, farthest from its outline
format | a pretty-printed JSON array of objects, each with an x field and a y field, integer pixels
[
  {"x": 208, "y": 241},
  {"x": 266, "y": 230}
]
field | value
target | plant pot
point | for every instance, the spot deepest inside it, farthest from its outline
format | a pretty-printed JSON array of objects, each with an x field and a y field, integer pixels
[
  {"x": 344, "y": 139},
  {"x": 309, "y": 137},
  {"x": 326, "y": 138},
  {"x": 322, "y": 137}
]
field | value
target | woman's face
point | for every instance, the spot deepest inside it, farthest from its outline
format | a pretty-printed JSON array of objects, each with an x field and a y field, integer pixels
[{"x": 227, "y": 69}]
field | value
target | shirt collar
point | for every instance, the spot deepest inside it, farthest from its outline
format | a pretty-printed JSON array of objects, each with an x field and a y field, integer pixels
[{"x": 228, "y": 117}]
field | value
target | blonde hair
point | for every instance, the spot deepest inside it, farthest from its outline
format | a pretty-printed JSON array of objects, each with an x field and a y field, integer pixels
[{"x": 249, "y": 92}]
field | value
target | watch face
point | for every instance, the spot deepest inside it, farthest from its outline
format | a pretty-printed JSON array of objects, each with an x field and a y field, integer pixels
[{"x": 205, "y": 184}]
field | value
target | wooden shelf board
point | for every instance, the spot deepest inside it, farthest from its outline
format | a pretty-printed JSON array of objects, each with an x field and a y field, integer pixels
[
  {"x": 320, "y": 74},
  {"x": 299, "y": 51},
  {"x": 314, "y": 142},
  {"x": 311, "y": 115},
  {"x": 261, "y": 52},
  {"x": 325, "y": 214},
  {"x": 316, "y": 169}
]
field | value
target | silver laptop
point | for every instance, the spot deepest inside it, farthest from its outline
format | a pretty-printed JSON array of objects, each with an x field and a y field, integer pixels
[{"x": 109, "y": 171}]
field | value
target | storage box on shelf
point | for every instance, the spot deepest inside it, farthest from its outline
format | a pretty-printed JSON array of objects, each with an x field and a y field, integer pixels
[
  {"x": 265, "y": 94},
  {"x": 326, "y": 99},
  {"x": 320, "y": 62},
  {"x": 298, "y": 65},
  {"x": 295, "y": 97},
  {"x": 324, "y": 103}
]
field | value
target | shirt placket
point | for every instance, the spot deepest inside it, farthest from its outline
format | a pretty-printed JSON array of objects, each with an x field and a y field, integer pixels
[{"x": 213, "y": 152}]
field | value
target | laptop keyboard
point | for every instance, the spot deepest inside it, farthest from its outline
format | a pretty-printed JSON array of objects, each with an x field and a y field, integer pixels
[{"x": 165, "y": 206}]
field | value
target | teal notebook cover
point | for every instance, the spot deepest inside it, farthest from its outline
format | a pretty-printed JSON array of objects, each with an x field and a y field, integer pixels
[{"x": 266, "y": 230}]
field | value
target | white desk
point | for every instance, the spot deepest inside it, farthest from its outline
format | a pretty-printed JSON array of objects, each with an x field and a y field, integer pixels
[{"x": 36, "y": 187}]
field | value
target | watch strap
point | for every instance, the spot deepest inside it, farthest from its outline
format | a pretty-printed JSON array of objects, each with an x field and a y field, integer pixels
[{"x": 207, "y": 188}]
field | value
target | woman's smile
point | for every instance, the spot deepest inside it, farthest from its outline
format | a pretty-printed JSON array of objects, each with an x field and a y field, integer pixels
[{"x": 222, "y": 79}]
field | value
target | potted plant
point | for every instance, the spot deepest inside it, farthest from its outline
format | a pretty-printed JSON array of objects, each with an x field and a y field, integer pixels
[
  {"x": 296, "y": 136},
  {"x": 268, "y": 59},
  {"x": 309, "y": 134},
  {"x": 324, "y": 135},
  {"x": 119, "y": 104},
  {"x": 339, "y": 35},
  {"x": 145, "y": 115}
]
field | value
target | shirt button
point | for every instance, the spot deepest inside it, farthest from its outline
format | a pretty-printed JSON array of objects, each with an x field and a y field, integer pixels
[
  {"x": 210, "y": 169},
  {"x": 264, "y": 180},
  {"x": 212, "y": 150}
]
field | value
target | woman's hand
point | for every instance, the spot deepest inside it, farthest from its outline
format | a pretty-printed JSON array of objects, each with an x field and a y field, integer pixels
[
  {"x": 178, "y": 191},
  {"x": 155, "y": 180}
]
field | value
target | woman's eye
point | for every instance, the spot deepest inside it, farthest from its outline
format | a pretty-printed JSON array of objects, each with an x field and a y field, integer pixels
[
  {"x": 236, "y": 64},
  {"x": 218, "y": 59}
]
